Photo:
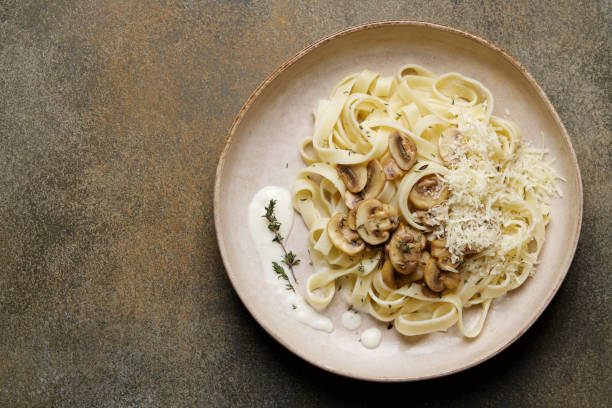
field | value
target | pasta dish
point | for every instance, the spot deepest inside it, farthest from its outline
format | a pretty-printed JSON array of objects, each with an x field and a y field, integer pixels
[{"x": 419, "y": 202}]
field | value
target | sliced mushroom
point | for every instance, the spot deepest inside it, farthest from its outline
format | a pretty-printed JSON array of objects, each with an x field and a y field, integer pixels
[
  {"x": 375, "y": 221},
  {"x": 428, "y": 192},
  {"x": 450, "y": 144},
  {"x": 342, "y": 237},
  {"x": 351, "y": 219},
  {"x": 403, "y": 280},
  {"x": 427, "y": 292},
  {"x": 420, "y": 270},
  {"x": 354, "y": 177},
  {"x": 392, "y": 279},
  {"x": 403, "y": 150},
  {"x": 434, "y": 216},
  {"x": 388, "y": 275},
  {"x": 390, "y": 167},
  {"x": 450, "y": 279},
  {"x": 432, "y": 276},
  {"x": 352, "y": 200},
  {"x": 443, "y": 255},
  {"x": 438, "y": 248},
  {"x": 446, "y": 264},
  {"x": 405, "y": 248},
  {"x": 376, "y": 180}
]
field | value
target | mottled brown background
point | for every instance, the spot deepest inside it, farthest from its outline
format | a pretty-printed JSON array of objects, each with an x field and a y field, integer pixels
[{"x": 112, "y": 118}]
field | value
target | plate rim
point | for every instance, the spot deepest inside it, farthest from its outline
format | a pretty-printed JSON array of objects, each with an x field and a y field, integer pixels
[{"x": 344, "y": 32}]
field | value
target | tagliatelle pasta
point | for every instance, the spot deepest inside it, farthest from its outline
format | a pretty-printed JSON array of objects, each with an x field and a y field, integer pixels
[{"x": 492, "y": 223}]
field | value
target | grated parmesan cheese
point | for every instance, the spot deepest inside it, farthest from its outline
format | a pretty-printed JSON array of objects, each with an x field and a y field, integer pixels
[{"x": 486, "y": 182}]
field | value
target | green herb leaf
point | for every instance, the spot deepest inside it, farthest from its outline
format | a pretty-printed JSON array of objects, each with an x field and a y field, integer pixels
[{"x": 290, "y": 259}]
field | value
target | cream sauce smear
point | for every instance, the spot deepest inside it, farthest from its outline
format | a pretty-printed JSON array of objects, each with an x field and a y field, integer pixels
[
  {"x": 371, "y": 338},
  {"x": 270, "y": 251}
]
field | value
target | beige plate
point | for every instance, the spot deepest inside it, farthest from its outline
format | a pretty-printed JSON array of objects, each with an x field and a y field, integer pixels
[{"x": 266, "y": 136}]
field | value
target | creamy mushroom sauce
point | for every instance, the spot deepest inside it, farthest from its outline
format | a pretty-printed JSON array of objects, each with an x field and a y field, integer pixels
[{"x": 270, "y": 251}]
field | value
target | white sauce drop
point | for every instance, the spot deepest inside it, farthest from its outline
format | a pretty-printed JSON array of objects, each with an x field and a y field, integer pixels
[
  {"x": 371, "y": 338},
  {"x": 271, "y": 251},
  {"x": 351, "y": 320}
]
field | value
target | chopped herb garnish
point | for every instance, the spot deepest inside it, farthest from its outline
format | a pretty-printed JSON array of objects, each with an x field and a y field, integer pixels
[
  {"x": 287, "y": 165},
  {"x": 361, "y": 269},
  {"x": 389, "y": 326},
  {"x": 465, "y": 281},
  {"x": 423, "y": 167},
  {"x": 293, "y": 307},
  {"x": 404, "y": 247},
  {"x": 360, "y": 127},
  {"x": 303, "y": 199},
  {"x": 346, "y": 92}
]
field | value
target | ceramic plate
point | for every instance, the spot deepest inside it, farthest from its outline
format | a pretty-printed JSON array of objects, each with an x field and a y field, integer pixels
[{"x": 262, "y": 149}]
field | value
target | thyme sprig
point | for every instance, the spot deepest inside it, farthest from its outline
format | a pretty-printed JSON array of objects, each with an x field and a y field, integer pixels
[
  {"x": 281, "y": 274},
  {"x": 289, "y": 258}
]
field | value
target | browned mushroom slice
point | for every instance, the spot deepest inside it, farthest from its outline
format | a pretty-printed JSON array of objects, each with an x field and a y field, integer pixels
[
  {"x": 432, "y": 276},
  {"x": 450, "y": 279},
  {"x": 375, "y": 220},
  {"x": 388, "y": 275},
  {"x": 434, "y": 216},
  {"x": 351, "y": 219},
  {"x": 420, "y": 270},
  {"x": 354, "y": 177},
  {"x": 404, "y": 249},
  {"x": 427, "y": 292},
  {"x": 403, "y": 280},
  {"x": 390, "y": 167},
  {"x": 450, "y": 144},
  {"x": 352, "y": 200},
  {"x": 403, "y": 150},
  {"x": 438, "y": 248},
  {"x": 428, "y": 192},
  {"x": 443, "y": 255},
  {"x": 342, "y": 237},
  {"x": 376, "y": 180}
]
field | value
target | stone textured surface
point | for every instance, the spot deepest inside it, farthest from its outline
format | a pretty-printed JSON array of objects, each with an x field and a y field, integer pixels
[{"x": 112, "y": 118}]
